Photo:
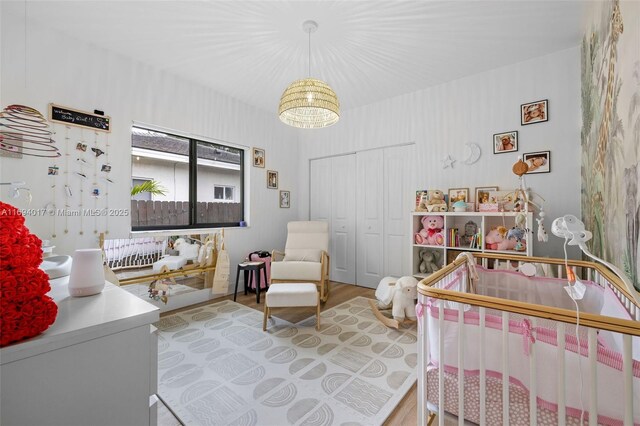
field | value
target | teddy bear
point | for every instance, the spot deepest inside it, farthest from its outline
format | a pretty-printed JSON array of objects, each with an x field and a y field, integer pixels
[
  {"x": 433, "y": 226},
  {"x": 497, "y": 239},
  {"x": 435, "y": 201},
  {"x": 428, "y": 261},
  {"x": 421, "y": 237}
]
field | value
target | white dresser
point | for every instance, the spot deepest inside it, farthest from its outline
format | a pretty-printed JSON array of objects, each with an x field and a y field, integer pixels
[{"x": 96, "y": 365}]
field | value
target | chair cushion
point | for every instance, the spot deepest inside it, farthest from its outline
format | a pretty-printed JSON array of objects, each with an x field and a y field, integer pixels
[
  {"x": 306, "y": 255},
  {"x": 307, "y": 235},
  {"x": 292, "y": 294},
  {"x": 296, "y": 270},
  {"x": 173, "y": 262}
]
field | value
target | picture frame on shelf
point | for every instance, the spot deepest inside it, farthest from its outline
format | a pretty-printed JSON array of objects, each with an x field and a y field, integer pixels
[
  {"x": 505, "y": 200},
  {"x": 538, "y": 162},
  {"x": 272, "y": 179},
  {"x": 258, "y": 156},
  {"x": 419, "y": 194},
  {"x": 285, "y": 199},
  {"x": 505, "y": 142},
  {"x": 482, "y": 195},
  {"x": 458, "y": 194},
  {"x": 534, "y": 112}
]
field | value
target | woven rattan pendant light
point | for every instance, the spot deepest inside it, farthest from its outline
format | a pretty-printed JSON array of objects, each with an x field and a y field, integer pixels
[{"x": 309, "y": 103}]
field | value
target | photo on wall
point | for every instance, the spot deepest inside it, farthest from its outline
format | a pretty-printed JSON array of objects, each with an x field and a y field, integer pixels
[
  {"x": 534, "y": 112},
  {"x": 538, "y": 162},
  {"x": 285, "y": 199},
  {"x": 505, "y": 142},
  {"x": 272, "y": 179},
  {"x": 258, "y": 157}
]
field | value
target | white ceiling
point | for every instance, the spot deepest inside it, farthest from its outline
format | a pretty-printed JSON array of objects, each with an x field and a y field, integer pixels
[{"x": 366, "y": 50}]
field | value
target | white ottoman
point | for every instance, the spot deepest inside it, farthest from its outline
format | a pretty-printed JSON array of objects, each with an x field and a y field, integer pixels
[
  {"x": 283, "y": 295},
  {"x": 171, "y": 262}
]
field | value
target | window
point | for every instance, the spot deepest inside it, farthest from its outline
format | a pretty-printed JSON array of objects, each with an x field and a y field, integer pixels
[
  {"x": 189, "y": 183},
  {"x": 143, "y": 195},
  {"x": 223, "y": 193}
]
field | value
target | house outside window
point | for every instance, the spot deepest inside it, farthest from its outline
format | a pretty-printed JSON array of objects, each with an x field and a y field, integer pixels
[
  {"x": 223, "y": 193},
  {"x": 190, "y": 179}
]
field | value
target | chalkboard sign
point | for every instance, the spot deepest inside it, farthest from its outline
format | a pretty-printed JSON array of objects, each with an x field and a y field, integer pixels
[{"x": 74, "y": 117}]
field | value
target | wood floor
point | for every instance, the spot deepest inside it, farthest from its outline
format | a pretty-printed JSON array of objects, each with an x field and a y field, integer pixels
[{"x": 406, "y": 412}]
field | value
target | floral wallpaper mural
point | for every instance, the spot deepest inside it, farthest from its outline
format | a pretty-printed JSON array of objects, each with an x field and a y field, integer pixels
[{"x": 611, "y": 133}]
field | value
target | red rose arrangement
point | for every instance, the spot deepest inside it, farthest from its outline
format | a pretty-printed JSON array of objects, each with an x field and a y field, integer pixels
[{"x": 25, "y": 308}]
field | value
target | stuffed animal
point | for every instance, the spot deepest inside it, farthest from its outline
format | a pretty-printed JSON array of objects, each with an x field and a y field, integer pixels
[
  {"x": 435, "y": 201},
  {"x": 428, "y": 261},
  {"x": 433, "y": 226},
  {"x": 496, "y": 239},
  {"x": 404, "y": 296},
  {"x": 519, "y": 235},
  {"x": 397, "y": 294},
  {"x": 421, "y": 237},
  {"x": 189, "y": 251}
]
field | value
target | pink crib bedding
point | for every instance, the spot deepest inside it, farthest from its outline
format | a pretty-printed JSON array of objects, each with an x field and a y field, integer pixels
[
  {"x": 518, "y": 402},
  {"x": 524, "y": 335}
]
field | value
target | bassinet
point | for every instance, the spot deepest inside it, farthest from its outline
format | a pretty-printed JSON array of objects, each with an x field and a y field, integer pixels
[{"x": 465, "y": 352}]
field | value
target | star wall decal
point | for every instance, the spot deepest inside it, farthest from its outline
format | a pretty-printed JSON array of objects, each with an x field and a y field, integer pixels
[{"x": 448, "y": 162}]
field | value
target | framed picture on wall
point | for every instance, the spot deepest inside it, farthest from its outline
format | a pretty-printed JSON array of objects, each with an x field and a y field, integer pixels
[
  {"x": 534, "y": 112},
  {"x": 272, "y": 179},
  {"x": 505, "y": 142},
  {"x": 458, "y": 194},
  {"x": 285, "y": 199},
  {"x": 538, "y": 162},
  {"x": 258, "y": 157}
]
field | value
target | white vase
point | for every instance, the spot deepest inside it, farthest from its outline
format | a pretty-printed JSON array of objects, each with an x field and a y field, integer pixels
[{"x": 87, "y": 273}]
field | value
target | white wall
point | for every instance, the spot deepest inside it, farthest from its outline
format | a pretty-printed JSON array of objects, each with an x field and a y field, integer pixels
[
  {"x": 441, "y": 119},
  {"x": 72, "y": 73}
]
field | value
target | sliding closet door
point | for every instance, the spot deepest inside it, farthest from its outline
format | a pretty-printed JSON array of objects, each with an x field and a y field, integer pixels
[
  {"x": 397, "y": 205},
  {"x": 343, "y": 219},
  {"x": 332, "y": 199},
  {"x": 320, "y": 190},
  {"x": 370, "y": 224}
]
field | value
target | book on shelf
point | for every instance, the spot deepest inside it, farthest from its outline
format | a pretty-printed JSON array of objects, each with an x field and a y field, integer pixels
[{"x": 453, "y": 238}]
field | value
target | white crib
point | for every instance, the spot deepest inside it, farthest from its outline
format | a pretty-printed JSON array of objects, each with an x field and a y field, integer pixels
[
  {"x": 132, "y": 252},
  {"x": 556, "y": 372}
]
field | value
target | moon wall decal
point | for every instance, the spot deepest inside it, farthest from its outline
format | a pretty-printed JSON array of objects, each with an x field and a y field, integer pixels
[{"x": 473, "y": 155}]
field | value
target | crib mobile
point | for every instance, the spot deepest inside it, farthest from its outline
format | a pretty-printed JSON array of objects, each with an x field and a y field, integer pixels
[{"x": 524, "y": 197}]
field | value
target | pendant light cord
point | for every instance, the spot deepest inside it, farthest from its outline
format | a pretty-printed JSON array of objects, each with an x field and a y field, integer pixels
[
  {"x": 309, "y": 52},
  {"x": 25, "y": 44}
]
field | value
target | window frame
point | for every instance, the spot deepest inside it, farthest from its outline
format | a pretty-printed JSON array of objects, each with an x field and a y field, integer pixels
[{"x": 193, "y": 183}]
